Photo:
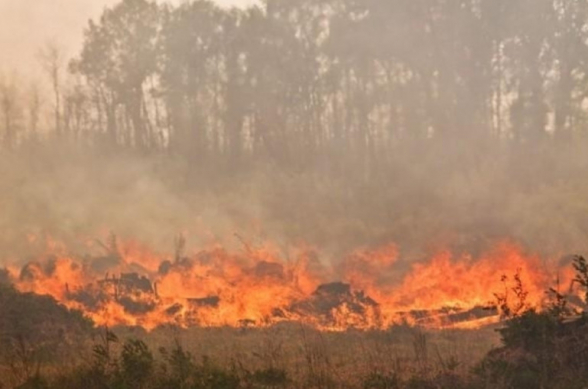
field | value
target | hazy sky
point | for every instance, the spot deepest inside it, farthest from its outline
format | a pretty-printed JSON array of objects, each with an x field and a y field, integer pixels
[{"x": 25, "y": 25}]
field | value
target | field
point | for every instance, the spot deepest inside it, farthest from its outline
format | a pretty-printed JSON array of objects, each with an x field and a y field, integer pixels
[{"x": 292, "y": 355}]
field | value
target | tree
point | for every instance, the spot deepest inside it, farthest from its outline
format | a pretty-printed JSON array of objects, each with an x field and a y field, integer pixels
[
  {"x": 52, "y": 60},
  {"x": 34, "y": 111},
  {"x": 10, "y": 111},
  {"x": 118, "y": 58},
  {"x": 192, "y": 81}
]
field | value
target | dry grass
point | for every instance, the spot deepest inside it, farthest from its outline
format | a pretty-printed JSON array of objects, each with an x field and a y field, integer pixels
[
  {"x": 310, "y": 358},
  {"x": 337, "y": 357}
]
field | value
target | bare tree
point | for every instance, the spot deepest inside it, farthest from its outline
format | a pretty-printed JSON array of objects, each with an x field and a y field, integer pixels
[
  {"x": 52, "y": 59},
  {"x": 34, "y": 111},
  {"x": 10, "y": 110}
]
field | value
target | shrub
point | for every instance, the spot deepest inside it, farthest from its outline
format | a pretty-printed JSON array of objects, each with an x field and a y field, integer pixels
[{"x": 136, "y": 364}]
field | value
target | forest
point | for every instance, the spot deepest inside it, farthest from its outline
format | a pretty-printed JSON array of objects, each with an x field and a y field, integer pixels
[
  {"x": 298, "y": 83},
  {"x": 416, "y": 121}
]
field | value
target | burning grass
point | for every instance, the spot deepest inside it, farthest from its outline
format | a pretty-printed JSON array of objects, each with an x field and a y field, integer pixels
[
  {"x": 258, "y": 318},
  {"x": 129, "y": 284},
  {"x": 544, "y": 348}
]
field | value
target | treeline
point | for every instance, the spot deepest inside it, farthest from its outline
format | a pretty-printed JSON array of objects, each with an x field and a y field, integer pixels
[{"x": 302, "y": 81}]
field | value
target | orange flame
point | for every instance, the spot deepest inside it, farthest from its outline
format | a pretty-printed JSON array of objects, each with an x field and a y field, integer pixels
[{"x": 132, "y": 285}]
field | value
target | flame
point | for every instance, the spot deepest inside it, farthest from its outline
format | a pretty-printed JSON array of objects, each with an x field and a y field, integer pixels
[{"x": 133, "y": 285}]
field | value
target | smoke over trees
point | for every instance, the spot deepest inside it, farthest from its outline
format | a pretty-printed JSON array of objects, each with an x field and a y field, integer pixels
[
  {"x": 294, "y": 80},
  {"x": 412, "y": 119}
]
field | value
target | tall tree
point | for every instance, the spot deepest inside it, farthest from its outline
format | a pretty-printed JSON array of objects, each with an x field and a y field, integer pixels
[
  {"x": 118, "y": 58},
  {"x": 191, "y": 75}
]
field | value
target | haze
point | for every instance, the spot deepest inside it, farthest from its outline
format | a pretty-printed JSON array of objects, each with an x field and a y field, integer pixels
[
  {"x": 335, "y": 124},
  {"x": 27, "y": 25}
]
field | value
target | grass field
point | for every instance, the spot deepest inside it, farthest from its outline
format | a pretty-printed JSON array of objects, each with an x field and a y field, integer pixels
[{"x": 305, "y": 357}]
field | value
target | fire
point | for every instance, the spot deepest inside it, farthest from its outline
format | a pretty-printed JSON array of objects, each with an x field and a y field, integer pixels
[{"x": 369, "y": 289}]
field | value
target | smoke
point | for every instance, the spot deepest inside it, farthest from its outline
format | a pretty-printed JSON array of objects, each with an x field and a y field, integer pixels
[
  {"x": 75, "y": 195},
  {"x": 59, "y": 21},
  {"x": 463, "y": 189}
]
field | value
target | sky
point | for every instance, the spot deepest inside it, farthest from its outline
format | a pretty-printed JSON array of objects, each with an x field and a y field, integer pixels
[{"x": 27, "y": 25}]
